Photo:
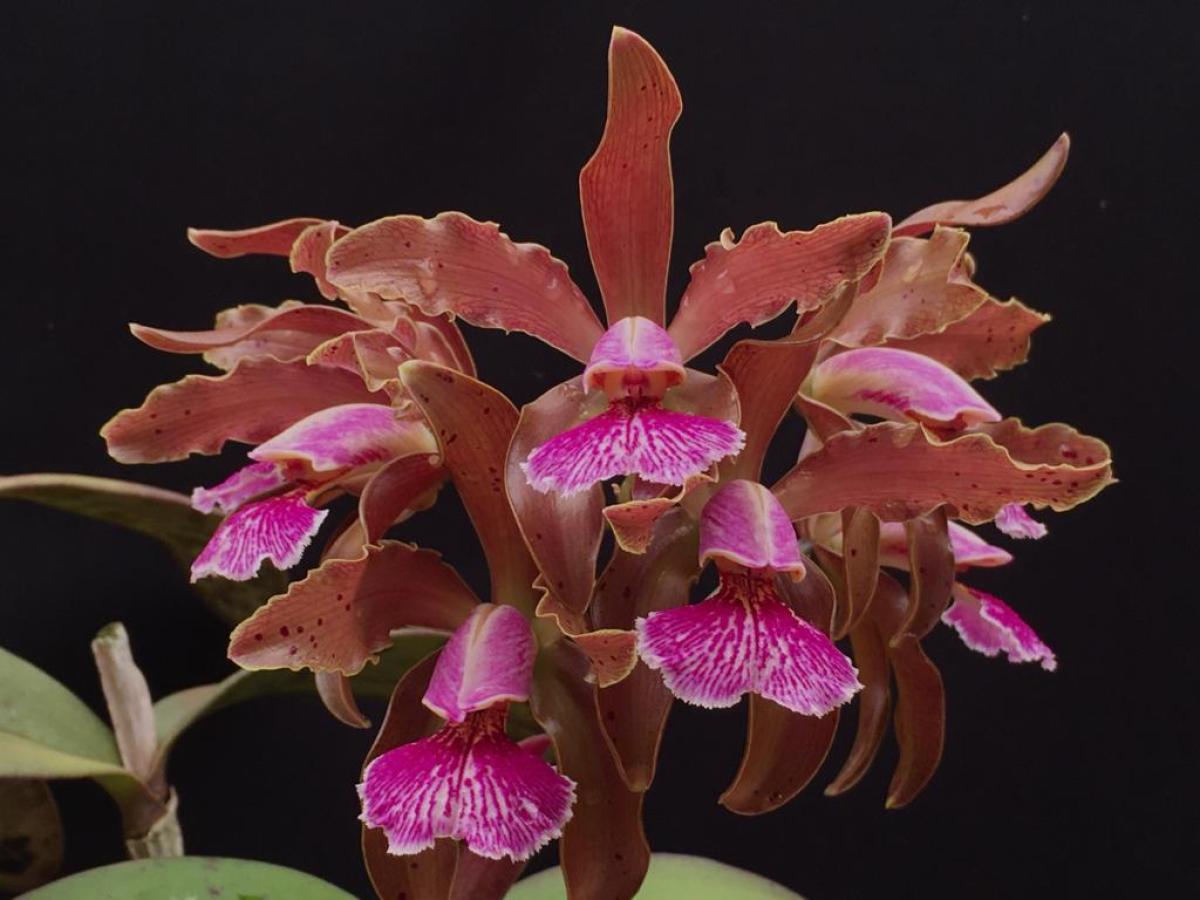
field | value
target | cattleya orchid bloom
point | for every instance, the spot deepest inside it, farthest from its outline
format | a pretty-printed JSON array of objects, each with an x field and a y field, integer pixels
[
  {"x": 315, "y": 387},
  {"x": 340, "y": 447},
  {"x": 984, "y": 622},
  {"x": 744, "y": 637},
  {"x": 454, "y": 264},
  {"x": 469, "y": 781}
]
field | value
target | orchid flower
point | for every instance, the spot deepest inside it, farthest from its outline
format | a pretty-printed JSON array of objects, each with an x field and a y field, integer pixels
[
  {"x": 744, "y": 637},
  {"x": 984, "y": 622},
  {"x": 469, "y": 781},
  {"x": 315, "y": 387},
  {"x": 650, "y": 426}
]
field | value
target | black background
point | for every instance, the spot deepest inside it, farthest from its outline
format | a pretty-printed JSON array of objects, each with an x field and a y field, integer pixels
[{"x": 125, "y": 122}]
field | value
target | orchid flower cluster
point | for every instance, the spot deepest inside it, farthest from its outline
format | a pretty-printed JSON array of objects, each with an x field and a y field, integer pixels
[{"x": 541, "y": 716}]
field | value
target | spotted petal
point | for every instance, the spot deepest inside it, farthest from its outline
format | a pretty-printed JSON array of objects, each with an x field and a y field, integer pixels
[
  {"x": 1002, "y": 205},
  {"x": 275, "y": 239},
  {"x": 488, "y": 660},
  {"x": 344, "y": 437},
  {"x": 625, "y": 189},
  {"x": 988, "y": 625},
  {"x": 471, "y": 783},
  {"x": 454, "y": 264},
  {"x": 744, "y": 639},
  {"x": 743, "y": 523},
  {"x": 896, "y": 384},
  {"x": 277, "y": 529},
  {"x": 660, "y": 445}
]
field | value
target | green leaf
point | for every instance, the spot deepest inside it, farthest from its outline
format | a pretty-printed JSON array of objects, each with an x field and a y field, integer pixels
[
  {"x": 164, "y": 515},
  {"x": 672, "y": 876},
  {"x": 31, "y": 841},
  {"x": 47, "y": 732},
  {"x": 190, "y": 876},
  {"x": 176, "y": 712}
]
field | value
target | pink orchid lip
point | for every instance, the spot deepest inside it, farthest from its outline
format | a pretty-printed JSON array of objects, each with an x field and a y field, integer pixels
[
  {"x": 345, "y": 437},
  {"x": 744, "y": 639},
  {"x": 989, "y": 626},
  {"x": 898, "y": 384},
  {"x": 469, "y": 782},
  {"x": 745, "y": 525},
  {"x": 1014, "y": 521},
  {"x": 488, "y": 660},
  {"x": 634, "y": 358},
  {"x": 631, "y": 437},
  {"x": 243, "y": 485},
  {"x": 277, "y": 528}
]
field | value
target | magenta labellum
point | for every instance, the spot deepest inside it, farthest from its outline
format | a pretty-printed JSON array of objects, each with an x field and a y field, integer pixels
[
  {"x": 743, "y": 638},
  {"x": 988, "y": 625},
  {"x": 469, "y": 781}
]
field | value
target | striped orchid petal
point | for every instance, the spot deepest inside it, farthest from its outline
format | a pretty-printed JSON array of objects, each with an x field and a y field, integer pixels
[
  {"x": 278, "y": 529},
  {"x": 988, "y": 625},
  {"x": 898, "y": 385},
  {"x": 744, "y": 639},
  {"x": 744, "y": 524}
]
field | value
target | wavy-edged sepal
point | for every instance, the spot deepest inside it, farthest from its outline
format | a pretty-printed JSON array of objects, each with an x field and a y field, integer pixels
[
  {"x": 898, "y": 385},
  {"x": 923, "y": 286},
  {"x": 288, "y": 332},
  {"x": 474, "y": 425},
  {"x": 920, "y": 713},
  {"x": 277, "y": 529},
  {"x": 992, "y": 339},
  {"x": 969, "y": 548},
  {"x": 767, "y": 375},
  {"x": 860, "y": 562},
  {"x": 430, "y": 873},
  {"x": 1003, "y": 204},
  {"x": 625, "y": 189},
  {"x": 308, "y": 253},
  {"x": 253, "y": 402},
  {"x": 440, "y": 340},
  {"x": 603, "y": 851},
  {"x": 342, "y": 613},
  {"x": 931, "y": 579},
  {"x": 784, "y": 750},
  {"x": 989, "y": 626},
  {"x": 273, "y": 239},
  {"x": 372, "y": 354},
  {"x": 634, "y": 711},
  {"x": 902, "y": 471},
  {"x": 454, "y": 264},
  {"x": 633, "y": 522},
  {"x": 488, "y": 660},
  {"x": 563, "y": 531},
  {"x": 755, "y": 278}
]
